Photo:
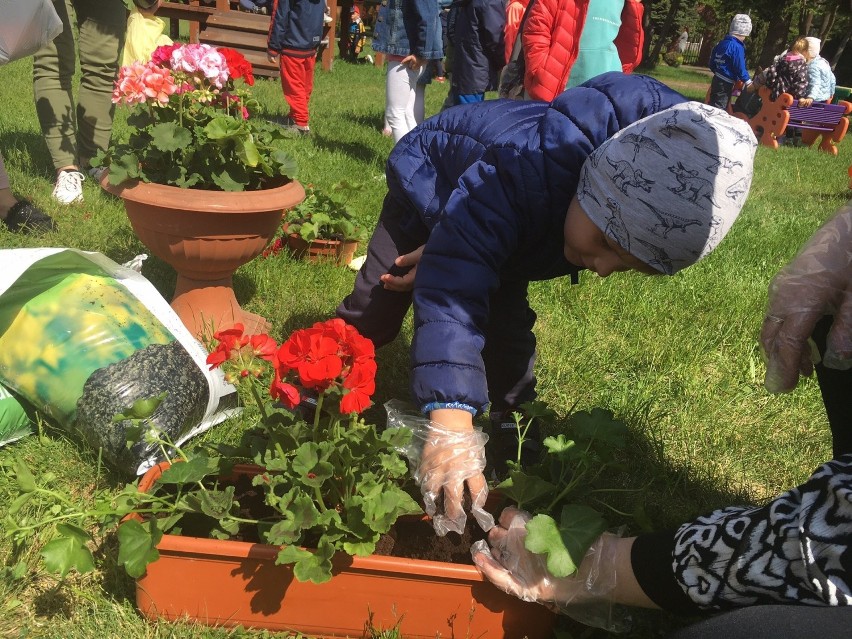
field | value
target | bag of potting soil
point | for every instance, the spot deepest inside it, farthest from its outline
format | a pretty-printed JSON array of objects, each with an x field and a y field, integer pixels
[
  {"x": 83, "y": 338},
  {"x": 14, "y": 422}
]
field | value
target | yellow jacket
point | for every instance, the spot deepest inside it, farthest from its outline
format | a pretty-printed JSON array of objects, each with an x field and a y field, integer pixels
[{"x": 144, "y": 34}]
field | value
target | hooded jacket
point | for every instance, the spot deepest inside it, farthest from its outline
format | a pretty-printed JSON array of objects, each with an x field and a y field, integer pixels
[
  {"x": 551, "y": 41},
  {"x": 475, "y": 28},
  {"x": 727, "y": 60},
  {"x": 296, "y": 25},
  {"x": 488, "y": 185}
]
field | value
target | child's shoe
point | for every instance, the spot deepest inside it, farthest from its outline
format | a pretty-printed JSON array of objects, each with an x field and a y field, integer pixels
[
  {"x": 69, "y": 186},
  {"x": 25, "y": 217},
  {"x": 369, "y": 58}
]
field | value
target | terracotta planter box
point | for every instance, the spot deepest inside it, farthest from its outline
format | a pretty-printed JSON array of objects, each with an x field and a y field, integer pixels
[
  {"x": 230, "y": 583},
  {"x": 336, "y": 251}
]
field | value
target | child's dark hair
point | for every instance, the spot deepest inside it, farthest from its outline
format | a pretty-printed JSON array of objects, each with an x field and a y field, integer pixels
[{"x": 145, "y": 4}]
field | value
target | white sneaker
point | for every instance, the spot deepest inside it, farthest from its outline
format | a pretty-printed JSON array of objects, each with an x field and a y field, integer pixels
[
  {"x": 69, "y": 187},
  {"x": 369, "y": 58}
]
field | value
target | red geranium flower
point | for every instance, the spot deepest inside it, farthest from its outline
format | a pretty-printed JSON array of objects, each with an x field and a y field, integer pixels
[
  {"x": 264, "y": 347},
  {"x": 238, "y": 66},
  {"x": 360, "y": 385},
  {"x": 283, "y": 392}
]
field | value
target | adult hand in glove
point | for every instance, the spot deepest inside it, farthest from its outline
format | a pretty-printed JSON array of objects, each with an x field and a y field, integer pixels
[
  {"x": 817, "y": 282},
  {"x": 447, "y": 458},
  {"x": 604, "y": 577}
]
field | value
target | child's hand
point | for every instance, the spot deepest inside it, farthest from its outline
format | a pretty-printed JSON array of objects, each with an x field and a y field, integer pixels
[
  {"x": 404, "y": 283},
  {"x": 272, "y": 57},
  {"x": 806, "y": 102}
]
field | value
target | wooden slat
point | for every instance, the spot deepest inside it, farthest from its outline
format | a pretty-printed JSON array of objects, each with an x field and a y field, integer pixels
[
  {"x": 233, "y": 39},
  {"x": 241, "y": 21}
]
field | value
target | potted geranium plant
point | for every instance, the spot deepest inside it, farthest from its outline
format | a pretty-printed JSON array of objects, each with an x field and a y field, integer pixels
[
  {"x": 322, "y": 227},
  {"x": 191, "y": 127},
  {"x": 268, "y": 532}
]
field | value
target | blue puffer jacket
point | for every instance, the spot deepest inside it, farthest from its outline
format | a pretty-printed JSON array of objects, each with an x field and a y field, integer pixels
[
  {"x": 409, "y": 26},
  {"x": 475, "y": 27},
  {"x": 727, "y": 60},
  {"x": 296, "y": 25},
  {"x": 493, "y": 182}
]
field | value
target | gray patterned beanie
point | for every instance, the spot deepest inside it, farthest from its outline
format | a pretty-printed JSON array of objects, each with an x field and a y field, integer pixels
[
  {"x": 668, "y": 187},
  {"x": 740, "y": 25}
]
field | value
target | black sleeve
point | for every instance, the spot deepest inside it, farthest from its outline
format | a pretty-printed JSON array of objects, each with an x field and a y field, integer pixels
[{"x": 651, "y": 559}]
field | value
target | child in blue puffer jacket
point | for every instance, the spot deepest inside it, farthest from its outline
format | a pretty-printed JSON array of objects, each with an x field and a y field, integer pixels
[
  {"x": 611, "y": 176},
  {"x": 728, "y": 64}
]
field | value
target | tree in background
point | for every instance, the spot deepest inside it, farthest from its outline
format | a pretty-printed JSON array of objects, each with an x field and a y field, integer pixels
[{"x": 776, "y": 24}]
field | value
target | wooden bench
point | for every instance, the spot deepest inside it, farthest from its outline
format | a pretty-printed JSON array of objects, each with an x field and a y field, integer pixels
[
  {"x": 221, "y": 24},
  {"x": 818, "y": 120}
]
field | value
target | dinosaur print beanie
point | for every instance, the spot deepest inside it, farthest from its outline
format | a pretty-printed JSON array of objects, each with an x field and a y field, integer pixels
[
  {"x": 669, "y": 187},
  {"x": 740, "y": 25}
]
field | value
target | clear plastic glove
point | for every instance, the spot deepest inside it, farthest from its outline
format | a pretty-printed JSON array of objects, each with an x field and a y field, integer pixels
[
  {"x": 444, "y": 463},
  {"x": 817, "y": 282},
  {"x": 586, "y": 596}
]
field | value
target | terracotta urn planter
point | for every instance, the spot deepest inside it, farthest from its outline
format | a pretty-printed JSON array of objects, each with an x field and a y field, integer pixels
[
  {"x": 234, "y": 583},
  {"x": 206, "y": 236},
  {"x": 339, "y": 252}
]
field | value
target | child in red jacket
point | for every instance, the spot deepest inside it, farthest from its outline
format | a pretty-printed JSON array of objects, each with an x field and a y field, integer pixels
[{"x": 567, "y": 42}]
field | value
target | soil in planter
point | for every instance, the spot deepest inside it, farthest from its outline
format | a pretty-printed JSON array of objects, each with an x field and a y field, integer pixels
[{"x": 409, "y": 538}]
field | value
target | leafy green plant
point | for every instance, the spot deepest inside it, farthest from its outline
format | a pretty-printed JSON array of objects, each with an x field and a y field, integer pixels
[
  {"x": 561, "y": 528},
  {"x": 331, "y": 482},
  {"x": 325, "y": 216},
  {"x": 190, "y": 124}
]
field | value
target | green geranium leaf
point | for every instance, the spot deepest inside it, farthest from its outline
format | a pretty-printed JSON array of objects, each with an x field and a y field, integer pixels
[
  {"x": 228, "y": 180},
  {"x": 224, "y": 127},
  {"x": 360, "y": 549},
  {"x": 217, "y": 503},
  {"x": 247, "y": 152},
  {"x": 170, "y": 136},
  {"x": 188, "y": 472},
  {"x": 316, "y": 567},
  {"x": 68, "y": 550},
  {"x": 307, "y": 463},
  {"x": 291, "y": 554},
  {"x": 523, "y": 488},
  {"x": 286, "y": 163},
  {"x": 138, "y": 545},
  {"x": 599, "y": 425},
  {"x": 564, "y": 544},
  {"x": 558, "y": 445}
]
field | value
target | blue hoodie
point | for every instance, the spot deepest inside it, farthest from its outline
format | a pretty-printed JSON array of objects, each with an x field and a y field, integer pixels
[
  {"x": 727, "y": 60},
  {"x": 296, "y": 25}
]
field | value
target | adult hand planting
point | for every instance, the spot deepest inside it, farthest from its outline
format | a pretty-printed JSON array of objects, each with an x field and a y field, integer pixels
[
  {"x": 816, "y": 283},
  {"x": 586, "y": 596}
]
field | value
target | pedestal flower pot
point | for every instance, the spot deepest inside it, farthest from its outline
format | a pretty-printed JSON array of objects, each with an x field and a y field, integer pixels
[
  {"x": 339, "y": 252},
  {"x": 231, "y": 583},
  {"x": 206, "y": 236}
]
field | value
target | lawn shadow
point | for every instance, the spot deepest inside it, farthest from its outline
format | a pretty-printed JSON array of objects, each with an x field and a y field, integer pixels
[
  {"x": 30, "y": 150},
  {"x": 373, "y": 120},
  {"x": 355, "y": 150}
]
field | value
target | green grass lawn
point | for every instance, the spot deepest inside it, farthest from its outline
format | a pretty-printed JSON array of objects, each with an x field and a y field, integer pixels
[{"x": 676, "y": 358}]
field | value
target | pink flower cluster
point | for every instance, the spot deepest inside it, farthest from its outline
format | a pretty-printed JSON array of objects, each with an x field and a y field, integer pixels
[
  {"x": 203, "y": 60},
  {"x": 142, "y": 83}
]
